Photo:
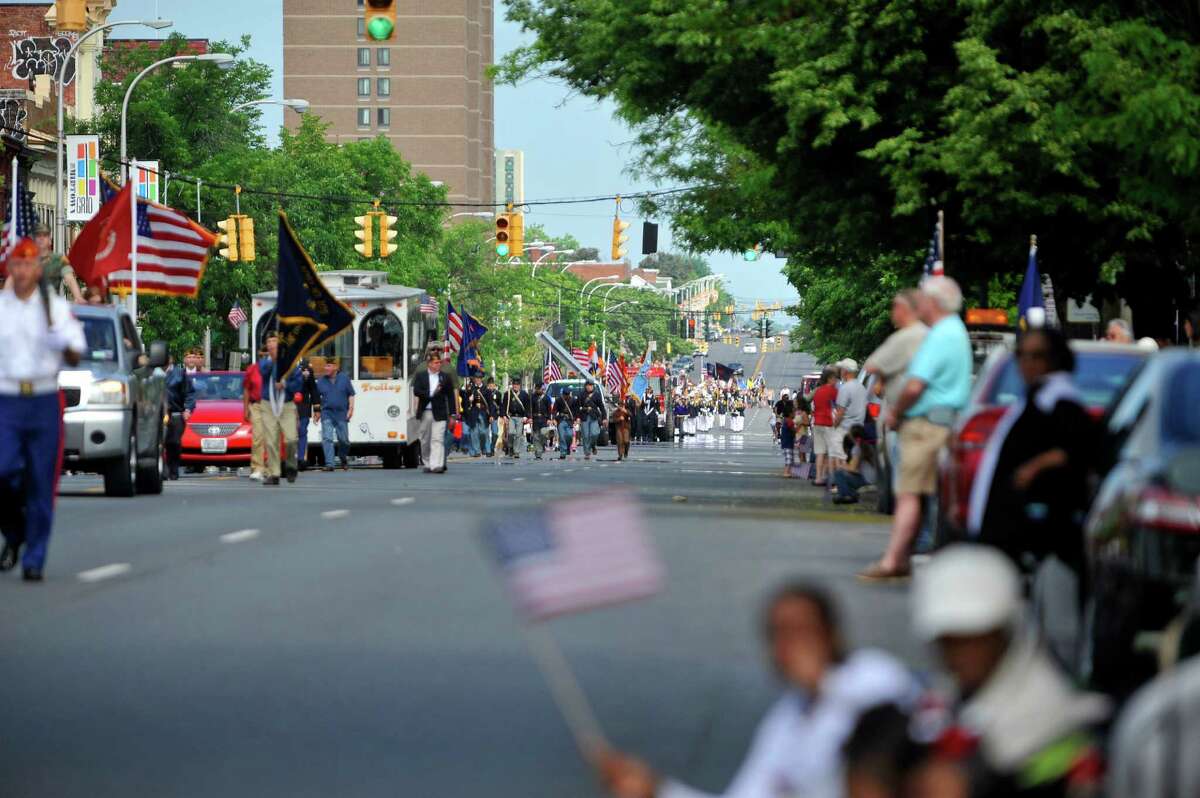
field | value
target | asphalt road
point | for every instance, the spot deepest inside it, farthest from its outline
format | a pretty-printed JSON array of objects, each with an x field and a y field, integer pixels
[{"x": 347, "y": 635}]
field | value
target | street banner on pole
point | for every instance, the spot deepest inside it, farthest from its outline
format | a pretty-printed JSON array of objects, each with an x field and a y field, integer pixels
[
  {"x": 146, "y": 180},
  {"x": 83, "y": 177}
]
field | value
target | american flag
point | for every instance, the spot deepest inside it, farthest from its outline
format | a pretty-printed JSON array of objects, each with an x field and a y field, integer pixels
[
  {"x": 552, "y": 372},
  {"x": 428, "y": 305},
  {"x": 576, "y": 554},
  {"x": 933, "y": 258},
  {"x": 237, "y": 316},
  {"x": 612, "y": 375},
  {"x": 172, "y": 250},
  {"x": 454, "y": 327},
  {"x": 580, "y": 356},
  {"x": 26, "y": 219}
]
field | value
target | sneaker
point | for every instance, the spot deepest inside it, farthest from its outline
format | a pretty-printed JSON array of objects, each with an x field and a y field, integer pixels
[{"x": 256, "y": 476}]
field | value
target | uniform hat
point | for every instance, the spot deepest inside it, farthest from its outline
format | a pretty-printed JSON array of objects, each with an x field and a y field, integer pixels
[
  {"x": 966, "y": 590},
  {"x": 42, "y": 229}
]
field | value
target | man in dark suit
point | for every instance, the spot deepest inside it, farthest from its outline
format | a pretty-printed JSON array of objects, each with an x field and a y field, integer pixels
[
  {"x": 541, "y": 421},
  {"x": 590, "y": 411},
  {"x": 436, "y": 399},
  {"x": 516, "y": 407}
]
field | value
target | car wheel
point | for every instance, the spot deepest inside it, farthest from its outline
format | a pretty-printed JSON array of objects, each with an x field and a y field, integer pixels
[
  {"x": 120, "y": 478},
  {"x": 1107, "y": 658},
  {"x": 150, "y": 477},
  {"x": 392, "y": 458}
]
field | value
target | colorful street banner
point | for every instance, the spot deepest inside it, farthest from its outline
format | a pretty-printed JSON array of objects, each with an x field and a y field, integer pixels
[
  {"x": 147, "y": 180},
  {"x": 83, "y": 177}
]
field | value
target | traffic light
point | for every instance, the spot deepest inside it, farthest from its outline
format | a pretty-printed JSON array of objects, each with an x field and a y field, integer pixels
[
  {"x": 380, "y": 19},
  {"x": 386, "y": 234},
  {"x": 363, "y": 234},
  {"x": 70, "y": 15},
  {"x": 245, "y": 239},
  {"x": 752, "y": 255},
  {"x": 691, "y": 327},
  {"x": 503, "y": 235},
  {"x": 619, "y": 238},
  {"x": 516, "y": 234},
  {"x": 227, "y": 239}
]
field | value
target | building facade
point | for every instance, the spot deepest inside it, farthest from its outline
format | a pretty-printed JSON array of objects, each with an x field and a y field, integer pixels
[
  {"x": 510, "y": 177},
  {"x": 425, "y": 90}
]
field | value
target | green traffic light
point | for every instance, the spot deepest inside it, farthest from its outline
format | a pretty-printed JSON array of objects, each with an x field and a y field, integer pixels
[
  {"x": 502, "y": 250},
  {"x": 750, "y": 255},
  {"x": 380, "y": 28}
]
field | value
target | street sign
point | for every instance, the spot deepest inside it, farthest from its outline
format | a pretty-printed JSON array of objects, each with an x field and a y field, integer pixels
[
  {"x": 83, "y": 177},
  {"x": 652, "y": 346},
  {"x": 1082, "y": 312},
  {"x": 146, "y": 181}
]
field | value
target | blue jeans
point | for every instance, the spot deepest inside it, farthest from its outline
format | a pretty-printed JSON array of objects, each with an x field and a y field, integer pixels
[
  {"x": 471, "y": 437},
  {"x": 30, "y": 447},
  {"x": 488, "y": 435},
  {"x": 334, "y": 423},
  {"x": 848, "y": 483},
  {"x": 589, "y": 431},
  {"x": 566, "y": 432}
]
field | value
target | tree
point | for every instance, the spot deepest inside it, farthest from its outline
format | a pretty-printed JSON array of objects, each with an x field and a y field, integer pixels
[{"x": 681, "y": 268}]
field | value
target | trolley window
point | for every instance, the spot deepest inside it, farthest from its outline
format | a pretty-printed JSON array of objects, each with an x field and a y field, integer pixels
[{"x": 380, "y": 346}]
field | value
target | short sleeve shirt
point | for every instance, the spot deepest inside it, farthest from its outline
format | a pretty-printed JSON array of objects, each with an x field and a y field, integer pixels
[
  {"x": 335, "y": 393},
  {"x": 893, "y": 357},
  {"x": 823, "y": 400},
  {"x": 943, "y": 363},
  {"x": 54, "y": 268},
  {"x": 852, "y": 398}
]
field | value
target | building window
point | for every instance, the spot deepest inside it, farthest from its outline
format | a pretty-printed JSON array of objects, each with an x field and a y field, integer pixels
[
  {"x": 364, "y": 87},
  {"x": 364, "y": 56},
  {"x": 364, "y": 117},
  {"x": 385, "y": 117},
  {"x": 383, "y": 87},
  {"x": 383, "y": 56},
  {"x": 362, "y": 28}
]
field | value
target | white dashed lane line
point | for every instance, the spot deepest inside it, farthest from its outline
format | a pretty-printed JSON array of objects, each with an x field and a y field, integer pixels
[
  {"x": 518, "y": 479},
  {"x": 105, "y": 572},
  {"x": 403, "y": 500},
  {"x": 240, "y": 536},
  {"x": 331, "y": 515}
]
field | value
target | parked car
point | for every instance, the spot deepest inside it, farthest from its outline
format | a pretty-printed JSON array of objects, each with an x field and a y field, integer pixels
[
  {"x": 750, "y": 349},
  {"x": 114, "y": 404},
  {"x": 217, "y": 433},
  {"x": 1143, "y": 529},
  {"x": 1101, "y": 371}
]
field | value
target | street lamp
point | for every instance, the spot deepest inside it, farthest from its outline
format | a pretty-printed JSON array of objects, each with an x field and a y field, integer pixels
[
  {"x": 476, "y": 214},
  {"x": 60, "y": 216},
  {"x": 297, "y": 105},
  {"x": 221, "y": 59},
  {"x": 593, "y": 280},
  {"x": 549, "y": 252}
]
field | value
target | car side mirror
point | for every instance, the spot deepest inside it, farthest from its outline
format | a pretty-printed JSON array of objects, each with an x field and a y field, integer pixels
[{"x": 158, "y": 355}]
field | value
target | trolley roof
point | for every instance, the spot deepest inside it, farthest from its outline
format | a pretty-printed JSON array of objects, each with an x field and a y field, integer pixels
[{"x": 356, "y": 285}]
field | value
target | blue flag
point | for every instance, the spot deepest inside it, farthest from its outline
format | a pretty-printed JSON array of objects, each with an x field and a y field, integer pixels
[
  {"x": 1031, "y": 289},
  {"x": 640, "y": 382},
  {"x": 307, "y": 314},
  {"x": 469, "y": 360}
]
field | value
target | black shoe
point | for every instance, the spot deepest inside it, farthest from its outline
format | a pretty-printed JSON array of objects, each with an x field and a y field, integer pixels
[
  {"x": 8, "y": 557},
  {"x": 345, "y": 464},
  {"x": 271, "y": 481},
  {"x": 173, "y": 475},
  {"x": 327, "y": 468},
  {"x": 428, "y": 470},
  {"x": 290, "y": 474},
  {"x": 845, "y": 500},
  {"x": 302, "y": 467},
  {"x": 32, "y": 575}
]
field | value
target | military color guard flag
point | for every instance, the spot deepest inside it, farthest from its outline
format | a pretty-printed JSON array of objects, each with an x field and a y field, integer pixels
[{"x": 576, "y": 554}]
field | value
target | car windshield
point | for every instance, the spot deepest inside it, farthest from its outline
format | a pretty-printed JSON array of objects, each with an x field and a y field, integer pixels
[
  {"x": 101, "y": 337},
  {"x": 1098, "y": 376},
  {"x": 1181, "y": 424},
  {"x": 217, "y": 386}
]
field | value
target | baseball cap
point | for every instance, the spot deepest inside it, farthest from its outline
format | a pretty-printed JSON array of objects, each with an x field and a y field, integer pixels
[
  {"x": 965, "y": 590},
  {"x": 849, "y": 364}
]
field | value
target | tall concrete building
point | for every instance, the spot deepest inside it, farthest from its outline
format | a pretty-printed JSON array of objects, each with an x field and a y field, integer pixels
[{"x": 425, "y": 90}]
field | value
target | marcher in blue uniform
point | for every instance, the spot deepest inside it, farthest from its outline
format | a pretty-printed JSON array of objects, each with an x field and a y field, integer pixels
[
  {"x": 39, "y": 335},
  {"x": 337, "y": 408},
  {"x": 279, "y": 414},
  {"x": 181, "y": 401},
  {"x": 310, "y": 403}
]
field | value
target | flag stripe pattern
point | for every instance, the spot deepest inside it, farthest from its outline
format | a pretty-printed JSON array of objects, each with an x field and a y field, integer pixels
[
  {"x": 580, "y": 356},
  {"x": 26, "y": 218},
  {"x": 428, "y": 305},
  {"x": 237, "y": 316},
  {"x": 454, "y": 327},
  {"x": 576, "y": 554},
  {"x": 172, "y": 253},
  {"x": 552, "y": 372}
]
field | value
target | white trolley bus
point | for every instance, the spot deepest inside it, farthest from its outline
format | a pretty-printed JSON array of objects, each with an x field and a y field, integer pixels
[{"x": 377, "y": 352}]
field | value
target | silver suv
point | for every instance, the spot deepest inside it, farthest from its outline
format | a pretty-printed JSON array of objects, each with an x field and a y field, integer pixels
[{"x": 115, "y": 404}]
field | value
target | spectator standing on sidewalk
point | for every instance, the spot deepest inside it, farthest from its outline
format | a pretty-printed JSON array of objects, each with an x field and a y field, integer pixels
[
  {"x": 824, "y": 441},
  {"x": 851, "y": 406},
  {"x": 936, "y": 386},
  {"x": 787, "y": 439},
  {"x": 890, "y": 361}
]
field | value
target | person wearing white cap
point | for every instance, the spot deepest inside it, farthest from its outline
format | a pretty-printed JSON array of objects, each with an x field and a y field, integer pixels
[
  {"x": 851, "y": 408},
  {"x": 1022, "y": 728}
]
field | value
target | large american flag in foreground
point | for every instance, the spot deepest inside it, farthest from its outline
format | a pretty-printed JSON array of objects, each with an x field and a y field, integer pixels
[
  {"x": 576, "y": 554},
  {"x": 19, "y": 221},
  {"x": 172, "y": 252}
]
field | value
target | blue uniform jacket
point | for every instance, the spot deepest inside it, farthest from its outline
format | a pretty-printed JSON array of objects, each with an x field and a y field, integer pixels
[{"x": 181, "y": 394}]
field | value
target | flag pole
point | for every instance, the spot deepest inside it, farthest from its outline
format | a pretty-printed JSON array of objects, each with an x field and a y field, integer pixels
[
  {"x": 12, "y": 217},
  {"x": 133, "y": 241},
  {"x": 568, "y": 695},
  {"x": 942, "y": 238}
]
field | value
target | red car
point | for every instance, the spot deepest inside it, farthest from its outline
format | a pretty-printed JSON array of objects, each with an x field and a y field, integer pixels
[
  {"x": 1101, "y": 371},
  {"x": 216, "y": 433}
]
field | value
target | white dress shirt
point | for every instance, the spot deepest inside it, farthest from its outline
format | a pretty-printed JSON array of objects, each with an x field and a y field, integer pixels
[
  {"x": 797, "y": 748},
  {"x": 32, "y": 349},
  {"x": 434, "y": 383}
]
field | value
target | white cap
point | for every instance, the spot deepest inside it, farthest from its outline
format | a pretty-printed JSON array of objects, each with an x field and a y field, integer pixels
[
  {"x": 1147, "y": 343},
  {"x": 965, "y": 590},
  {"x": 849, "y": 364}
]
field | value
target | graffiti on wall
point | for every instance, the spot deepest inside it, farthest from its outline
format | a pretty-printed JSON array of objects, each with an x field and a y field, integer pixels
[
  {"x": 12, "y": 118},
  {"x": 39, "y": 55}
]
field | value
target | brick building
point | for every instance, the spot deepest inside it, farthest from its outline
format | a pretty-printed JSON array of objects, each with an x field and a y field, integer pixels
[{"x": 426, "y": 90}]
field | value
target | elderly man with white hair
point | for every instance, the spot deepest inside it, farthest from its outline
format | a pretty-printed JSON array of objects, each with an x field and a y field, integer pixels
[
  {"x": 936, "y": 386},
  {"x": 1119, "y": 332}
]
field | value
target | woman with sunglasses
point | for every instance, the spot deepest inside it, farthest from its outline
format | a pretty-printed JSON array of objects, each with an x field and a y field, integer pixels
[{"x": 1030, "y": 492}]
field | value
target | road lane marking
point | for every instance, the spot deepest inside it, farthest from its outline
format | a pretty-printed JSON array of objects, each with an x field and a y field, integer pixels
[
  {"x": 569, "y": 471},
  {"x": 518, "y": 479},
  {"x": 330, "y": 515},
  {"x": 105, "y": 572},
  {"x": 403, "y": 500},
  {"x": 239, "y": 536},
  {"x": 544, "y": 474}
]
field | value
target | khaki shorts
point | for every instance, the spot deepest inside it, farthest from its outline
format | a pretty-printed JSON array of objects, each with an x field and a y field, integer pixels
[
  {"x": 920, "y": 443},
  {"x": 827, "y": 440}
]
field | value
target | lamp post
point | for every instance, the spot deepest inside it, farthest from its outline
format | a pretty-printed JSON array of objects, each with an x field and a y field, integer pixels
[
  {"x": 60, "y": 216},
  {"x": 579, "y": 318},
  {"x": 476, "y": 214},
  {"x": 551, "y": 251},
  {"x": 297, "y": 105},
  {"x": 214, "y": 58}
]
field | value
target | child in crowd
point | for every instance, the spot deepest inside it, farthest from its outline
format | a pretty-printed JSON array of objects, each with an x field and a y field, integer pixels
[
  {"x": 859, "y": 469},
  {"x": 787, "y": 440}
]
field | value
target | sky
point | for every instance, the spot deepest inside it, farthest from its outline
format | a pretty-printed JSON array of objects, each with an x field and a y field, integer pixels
[{"x": 573, "y": 146}]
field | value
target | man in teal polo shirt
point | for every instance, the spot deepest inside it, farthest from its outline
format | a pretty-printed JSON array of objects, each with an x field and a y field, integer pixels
[{"x": 936, "y": 387}]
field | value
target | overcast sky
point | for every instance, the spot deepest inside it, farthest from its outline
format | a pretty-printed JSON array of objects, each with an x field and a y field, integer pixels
[{"x": 573, "y": 147}]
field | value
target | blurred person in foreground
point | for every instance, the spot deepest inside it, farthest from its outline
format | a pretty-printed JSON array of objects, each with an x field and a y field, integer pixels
[
  {"x": 1030, "y": 493},
  {"x": 936, "y": 386},
  {"x": 1016, "y": 726},
  {"x": 796, "y": 749},
  {"x": 1118, "y": 331}
]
